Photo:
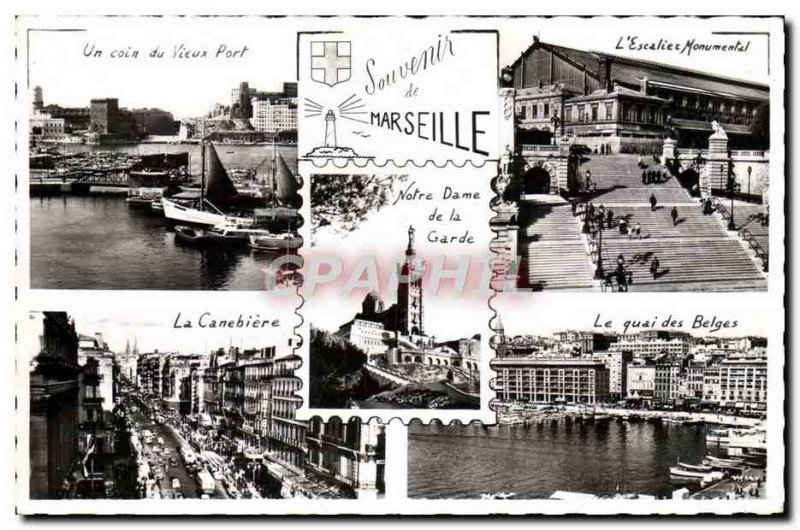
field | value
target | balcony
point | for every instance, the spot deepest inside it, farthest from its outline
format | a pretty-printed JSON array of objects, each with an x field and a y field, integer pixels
[{"x": 353, "y": 483}]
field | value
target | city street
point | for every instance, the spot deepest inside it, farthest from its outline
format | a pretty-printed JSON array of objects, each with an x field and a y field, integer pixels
[{"x": 189, "y": 487}]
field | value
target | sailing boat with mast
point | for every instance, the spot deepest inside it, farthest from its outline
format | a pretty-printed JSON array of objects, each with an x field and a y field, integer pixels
[
  {"x": 216, "y": 190},
  {"x": 284, "y": 189}
]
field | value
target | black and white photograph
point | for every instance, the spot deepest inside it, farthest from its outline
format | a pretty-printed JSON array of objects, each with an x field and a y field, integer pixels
[
  {"x": 121, "y": 408},
  {"x": 162, "y": 163},
  {"x": 611, "y": 405},
  {"x": 628, "y": 171},
  {"x": 389, "y": 340}
]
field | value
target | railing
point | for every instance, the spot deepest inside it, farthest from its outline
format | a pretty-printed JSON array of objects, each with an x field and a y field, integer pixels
[
  {"x": 540, "y": 148},
  {"x": 748, "y": 153},
  {"x": 336, "y": 476},
  {"x": 719, "y": 207},
  {"x": 762, "y": 254}
]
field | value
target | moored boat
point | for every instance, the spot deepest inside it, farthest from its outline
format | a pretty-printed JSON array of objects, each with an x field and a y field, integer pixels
[
  {"x": 235, "y": 235},
  {"x": 286, "y": 241},
  {"x": 191, "y": 236},
  {"x": 685, "y": 474},
  {"x": 700, "y": 468}
]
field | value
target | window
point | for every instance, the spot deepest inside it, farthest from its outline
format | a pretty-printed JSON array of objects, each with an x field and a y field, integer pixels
[
  {"x": 546, "y": 110},
  {"x": 535, "y": 113},
  {"x": 609, "y": 110},
  {"x": 594, "y": 111},
  {"x": 581, "y": 113},
  {"x": 570, "y": 116},
  {"x": 521, "y": 110}
]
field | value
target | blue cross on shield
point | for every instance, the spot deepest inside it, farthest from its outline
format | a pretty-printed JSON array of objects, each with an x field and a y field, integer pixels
[{"x": 330, "y": 62}]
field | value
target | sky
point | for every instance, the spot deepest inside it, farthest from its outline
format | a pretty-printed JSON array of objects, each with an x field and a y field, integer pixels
[
  {"x": 190, "y": 87},
  {"x": 185, "y": 87}
]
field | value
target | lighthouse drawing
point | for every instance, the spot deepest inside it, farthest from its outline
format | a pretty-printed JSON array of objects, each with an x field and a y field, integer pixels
[
  {"x": 330, "y": 147},
  {"x": 330, "y": 129}
]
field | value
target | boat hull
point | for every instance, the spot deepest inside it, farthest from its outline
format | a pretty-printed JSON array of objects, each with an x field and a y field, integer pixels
[
  {"x": 183, "y": 215},
  {"x": 275, "y": 243}
]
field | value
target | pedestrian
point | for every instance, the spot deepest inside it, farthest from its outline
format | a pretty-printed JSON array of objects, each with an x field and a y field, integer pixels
[
  {"x": 620, "y": 261},
  {"x": 674, "y": 215},
  {"x": 609, "y": 218},
  {"x": 637, "y": 230},
  {"x": 639, "y": 161},
  {"x": 654, "y": 267},
  {"x": 602, "y": 211},
  {"x": 653, "y": 202},
  {"x": 623, "y": 226},
  {"x": 644, "y": 176},
  {"x": 590, "y": 211}
]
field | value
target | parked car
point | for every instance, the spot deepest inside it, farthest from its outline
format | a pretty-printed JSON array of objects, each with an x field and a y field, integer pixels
[
  {"x": 173, "y": 462},
  {"x": 176, "y": 484}
]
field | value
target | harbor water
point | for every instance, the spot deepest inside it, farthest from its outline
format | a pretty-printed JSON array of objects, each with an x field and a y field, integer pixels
[
  {"x": 99, "y": 242},
  {"x": 603, "y": 458}
]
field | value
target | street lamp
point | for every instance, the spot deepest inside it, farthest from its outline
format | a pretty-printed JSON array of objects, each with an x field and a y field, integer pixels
[
  {"x": 731, "y": 185},
  {"x": 749, "y": 172},
  {"x": 586, "y": 200},
  {"x": 598, "y": 272}
]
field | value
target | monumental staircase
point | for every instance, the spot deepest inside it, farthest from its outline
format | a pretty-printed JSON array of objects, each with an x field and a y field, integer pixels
[
  {"x": 695, "y": 253},
  {"x": 556, "y": 255}
]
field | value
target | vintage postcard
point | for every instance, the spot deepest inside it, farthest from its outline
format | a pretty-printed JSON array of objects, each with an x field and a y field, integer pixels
[{"x": 400, "y": 265}]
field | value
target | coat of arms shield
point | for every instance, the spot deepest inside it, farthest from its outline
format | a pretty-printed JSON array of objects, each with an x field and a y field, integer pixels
[{"x": 330, "y": 62}]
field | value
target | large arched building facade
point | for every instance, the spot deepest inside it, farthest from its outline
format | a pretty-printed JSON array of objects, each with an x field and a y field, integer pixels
[{"x": 630, "y": 105}]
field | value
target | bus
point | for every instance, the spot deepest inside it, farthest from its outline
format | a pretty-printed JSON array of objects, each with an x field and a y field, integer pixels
[{"x": 147, "y": 436}]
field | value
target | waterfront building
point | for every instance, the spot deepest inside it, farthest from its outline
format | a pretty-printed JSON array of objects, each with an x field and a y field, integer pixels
[
  {"x": 76, "y": 119},
  {"x": 712, "y": 391},
  {"x": 641, "y": 380},
  {"x": 650, "y": 344},
  {"x": 54, "y": 390},
  {"x": 628, "y": 104},
  {"x": 668, "y": 379},
  {"x": 617, "y": 364},
  {"x": 545, "y": 379},
  {"x": 693, "y": 381},
  {"x": 272, "y": 116},
  {"x": 109, "y": 123},
  {"x": 153, "y": 122},
  {"x": 743, "y": 381},
  {"x": 45, "y": 127}
]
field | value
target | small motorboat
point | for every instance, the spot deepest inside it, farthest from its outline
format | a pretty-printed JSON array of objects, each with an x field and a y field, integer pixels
[
  {"x": 188, "y": 235},
  {"x": 235, "y": 234},
  {"x": 273, "y": 242},
  {"x": 157, "y": 205},
  {"x": 700, "y": 468},
  {"x": 679, "y": 472}
]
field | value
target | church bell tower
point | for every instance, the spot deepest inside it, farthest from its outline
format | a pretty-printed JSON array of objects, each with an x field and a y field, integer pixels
[{"x": 409, "y": 292}]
